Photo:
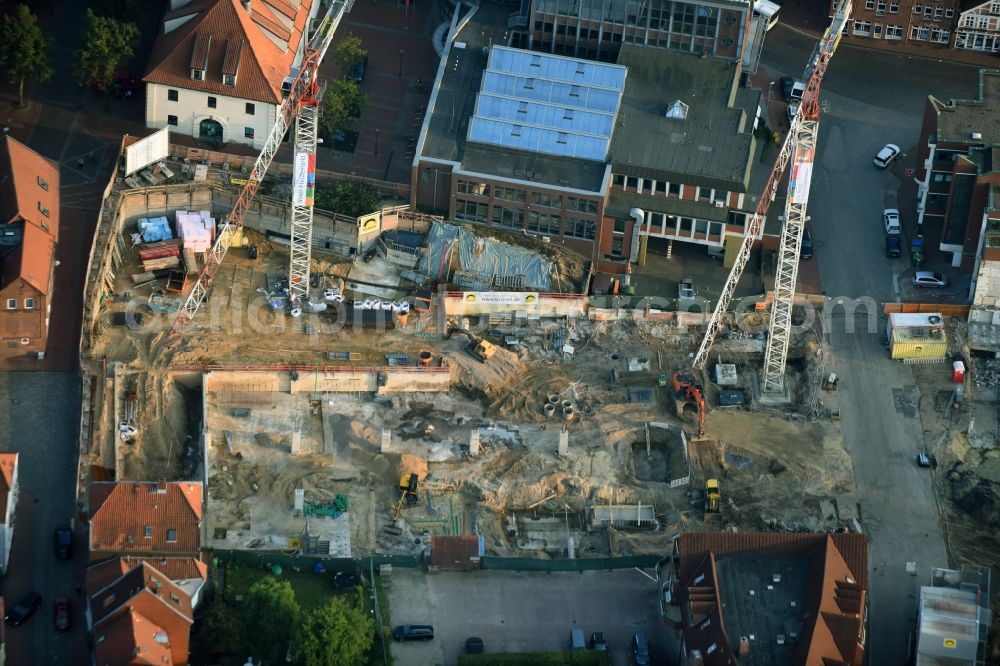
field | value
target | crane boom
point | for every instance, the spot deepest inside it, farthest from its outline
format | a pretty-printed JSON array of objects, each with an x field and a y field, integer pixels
[
  {"x": 815, "y": 69},
  {"x": 303, "y": 88}
]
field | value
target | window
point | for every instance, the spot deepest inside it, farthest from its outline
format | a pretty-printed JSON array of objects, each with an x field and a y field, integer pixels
[
  {"x": 546, "y": 199},
  {"x": 212, "y": 102},
  {"x": 11, "y": 303},
  {"x": 197, "y": 74},
  {"x": 250, "y": 109},
  {"x": 618, "y": 180},
  {"x": 473, "y": 187},
  {"x": 661, "y": 187},
  {"x": 515, "y": 130},
  {"x": 247, "y": 132},
  {"x": 704, "y": 193},
  {"x": 171, "y": 535},
  {"x": 878, "y": 29},
  {"x": 42, "y": 209},
  {"x": 863, "y": 28},
  {"x": 29, "y": 304},
  {"x": 632, "y": 183},
  {"x": 617, "y": 245},
  {"x": 720, "y": 196},
  {"x": 544, "y": 224},
  {"x": 171, "y": 95},
  {"x": 949, "y": 13},
  {"x": 561, "y": 138},
  {"x": 148, "y": 531},
  {"x": 674, "y": 190},
  {"x": 44, "y": 224},
  {"x": 529, "y": 84},
  {"x": 893, "y": 32},
  {"x": 619, "y": 226},
  {"x": 228, "y": 80},
  {"x": 940, "y": 36},
  {"x": 920, "y": 33},
  {"x": 869, "y": 4},
  {"x": 918, "y": 9},
  {"x": 880, "y": 9},
  {"x": 174, "y": 598},
  {"x": 511, "y": 218},
  {"x": 509, "y": 194},
  {"x": 42, "y": 183},
  {"x": 471, "y": 211},
  {"x": 574, "y": 91},
  {"x": 172, "y": 120},
  {"x": 938, "y": 13},
  {"x": 576, "y": 228},
  {"x": 581, "y": 205}
]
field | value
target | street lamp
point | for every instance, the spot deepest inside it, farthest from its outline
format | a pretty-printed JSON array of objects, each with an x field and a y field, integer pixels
[
  {"x": 376, "y": 142},
  {"x": 400, "y": 63}
]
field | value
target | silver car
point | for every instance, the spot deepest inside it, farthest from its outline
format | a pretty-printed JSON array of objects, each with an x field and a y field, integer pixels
[
  {"x": 886, "y": 155},
  {"x": 929, "y": 279}
]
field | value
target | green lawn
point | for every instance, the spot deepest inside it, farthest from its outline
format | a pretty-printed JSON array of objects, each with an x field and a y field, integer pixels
[
  {"x": 581, "y": 658},
  {"x": 311, "y": 590}
]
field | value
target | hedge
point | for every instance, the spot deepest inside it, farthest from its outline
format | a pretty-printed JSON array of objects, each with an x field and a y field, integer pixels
[{"x": 579, "y": 658}]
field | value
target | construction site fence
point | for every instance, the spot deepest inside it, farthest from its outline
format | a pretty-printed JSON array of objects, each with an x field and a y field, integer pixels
[
  {"x": 577, "y": 565},
  {"x": 944, "y": 309},
  {"x": 280, "y": 170},
  {"x": 267, "y": 559}
]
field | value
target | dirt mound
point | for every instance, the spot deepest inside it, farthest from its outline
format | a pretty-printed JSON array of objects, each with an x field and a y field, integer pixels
[{"x": 978, "y": 497}]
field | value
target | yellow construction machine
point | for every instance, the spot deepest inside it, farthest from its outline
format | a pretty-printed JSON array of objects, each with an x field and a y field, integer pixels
[
  {"x": 407, "y": 492},
  {"x": 713, "y": 500}
]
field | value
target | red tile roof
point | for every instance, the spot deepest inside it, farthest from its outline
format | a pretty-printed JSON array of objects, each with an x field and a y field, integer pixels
[
  {"x": 455, "y": 552},
  {"x": 260, "y": 45},
  {"x": 837, "y": 571},
  {"x": 22, "y": 198},
  {"x": 121, "y": 511},
  {"x": 102, "y": 574},
  {"x": 8, "y": 465},
  {"x": 121, "y": 610}
]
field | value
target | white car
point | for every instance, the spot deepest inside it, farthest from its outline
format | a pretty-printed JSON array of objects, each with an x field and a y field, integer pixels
[
  {"x": 793, "y": 108},
  {"x": 890, "y": 218},
  {"x": 886, "y": 155},
  {"x": 929, "y": 279}
]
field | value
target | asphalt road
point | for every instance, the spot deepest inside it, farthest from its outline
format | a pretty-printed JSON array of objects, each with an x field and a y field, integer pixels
[
  {"x": 871, "y": 98},
  {"x": 39, "y": 415}
]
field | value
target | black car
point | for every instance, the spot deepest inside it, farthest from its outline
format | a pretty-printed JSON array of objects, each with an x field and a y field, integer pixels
[
  {"x": 893, "y": 246},
  {"x": 413, "y": 632},
  {"x": 358, "y": 71},
  {"x": 64, "y": 542},
  {"x": 806, "y": 248},
  {"x": 23, "y": 609},
  {"x": 786, "y": 87},
  {"x": 598, "y": 641},
  {"x": 640, "y": 649},
  {"x": 474, "y": 645}
]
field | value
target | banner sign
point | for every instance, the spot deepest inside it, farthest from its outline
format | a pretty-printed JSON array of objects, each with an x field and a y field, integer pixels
[
  {"x": 303, "y": 179},
  {"x": 501, "y": 297}
]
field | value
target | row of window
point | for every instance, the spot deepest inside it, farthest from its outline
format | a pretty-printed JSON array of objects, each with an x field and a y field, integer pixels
[
  {"x": 930, "y": 11},
  {"x": 987, "y": 43},
  {"x": 663, "y": 188},
  {"x": 546, "y": 199},
  {"x": 148, "y": 533},
  {"x": 917, "y": 32},
  {"x": 213, "y": 102},
  {"x": 199, "y": 75},
  {"x": 29, "y": 304},
  {"x": 980, "y": 22},
  {"x": 172, "y": 121},
  {"x": 513, "y": 218}
]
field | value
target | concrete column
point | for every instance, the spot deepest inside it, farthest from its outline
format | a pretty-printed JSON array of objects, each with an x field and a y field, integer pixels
[
  {"x": 474, "y": 442},
  {"x": 563, "y": 442},
  {"x": 300, "y": 499},
  {"x": 386, "y": 439},
  {"x": 296, "y": 443}
]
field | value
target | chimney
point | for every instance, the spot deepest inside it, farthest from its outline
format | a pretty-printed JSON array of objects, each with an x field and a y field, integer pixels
[{"x": 744, "y": 646}]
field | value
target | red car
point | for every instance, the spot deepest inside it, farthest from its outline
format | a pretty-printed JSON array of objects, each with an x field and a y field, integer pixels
[{"x": 63, "y": 614}]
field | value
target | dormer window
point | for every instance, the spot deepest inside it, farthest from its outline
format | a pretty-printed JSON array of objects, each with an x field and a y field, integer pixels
[
  {"x": 228, "y": 79},
  {"x": 198, "y": 74}
]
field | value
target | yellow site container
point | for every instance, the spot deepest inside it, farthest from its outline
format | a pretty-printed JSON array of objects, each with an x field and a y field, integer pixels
[{"x": 923, "y": 349}]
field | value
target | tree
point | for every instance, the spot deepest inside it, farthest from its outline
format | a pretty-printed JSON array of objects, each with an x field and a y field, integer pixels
[
  {"x": 343, "y": 99},
  {"x": 107, "y": 44},
  {"x": 220, "y": 630},
  {"x": 269, "y": 615},
  {"x": 349, "y": 52},
  {"x": 24, "y": 49},
  {"x": 336, "y": 634},
  {"x": 348, "y": 198}
]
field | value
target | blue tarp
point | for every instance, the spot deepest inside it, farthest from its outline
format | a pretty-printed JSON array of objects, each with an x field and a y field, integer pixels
[{"x": 155, "y": 229}]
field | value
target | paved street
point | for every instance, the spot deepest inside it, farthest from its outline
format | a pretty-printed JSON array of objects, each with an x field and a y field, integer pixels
[
  {"x": 874, "y": 98},
  {"x": 524, "y": 612},
  {"x": 38, "y": 416}
]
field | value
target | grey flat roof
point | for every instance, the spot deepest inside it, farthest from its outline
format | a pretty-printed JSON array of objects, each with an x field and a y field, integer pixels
[
  {"x": 713, "y": 145},
  {"x": 449, "y": 117},
  {"x": 754, "y": 605},
  {"x": 959, "y": 119}
]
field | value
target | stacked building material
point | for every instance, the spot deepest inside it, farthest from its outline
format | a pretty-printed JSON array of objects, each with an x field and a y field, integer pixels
[
  {"x": 154, "y": 229},
  {"x": 194, "y": 232}
]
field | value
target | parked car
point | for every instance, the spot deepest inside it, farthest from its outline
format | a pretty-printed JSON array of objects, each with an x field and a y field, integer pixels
[
  {"x": 786, "y": 83},
  {"x": 929, "y": 279},
  {"x": 806, "y": 247},
  {"x": 598, "y": 641},
  {"x": 358, "y": 71},
  {"x": 63, "y": 538},
  {"x": 640, "y": 649},
  {"x": 798, "y": 89},
  {"x": 893, "y": 246},
  {"x": 890, "y": 218},
  {"x": 62, "y": 612},
  {"x": 793, "y": 108},
  {"x": 23, "y": 609},
  {"x": 474, "y": 645},
  {"x": 886, "y": 155},
  {"x": 576, "y": 640},
  {"x": 413, "y": 632}
]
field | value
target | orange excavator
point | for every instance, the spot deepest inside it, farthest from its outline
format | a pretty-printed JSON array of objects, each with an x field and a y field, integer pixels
[{"x": 687, "y": 389}]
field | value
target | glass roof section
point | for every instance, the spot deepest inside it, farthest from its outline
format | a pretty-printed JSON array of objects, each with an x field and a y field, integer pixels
[{"x": 547, "y": 103}]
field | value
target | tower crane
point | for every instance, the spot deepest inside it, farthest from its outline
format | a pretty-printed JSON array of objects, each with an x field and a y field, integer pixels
[
  {"x": 302, "y": 104},
  {"x": 799, "y": 147}
]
